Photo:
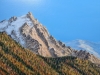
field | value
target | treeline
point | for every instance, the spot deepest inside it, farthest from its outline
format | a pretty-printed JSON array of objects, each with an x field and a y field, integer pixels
[
  {"x": 15, "y": 60},
  {"x": 72, "y": 66}
]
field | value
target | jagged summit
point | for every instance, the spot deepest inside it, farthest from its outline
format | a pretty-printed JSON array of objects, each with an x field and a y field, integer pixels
[{"x": 31, "y": 34}]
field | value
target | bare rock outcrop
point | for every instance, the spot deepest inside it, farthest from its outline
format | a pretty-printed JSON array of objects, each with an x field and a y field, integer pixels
[
  {"x": 86, "y": 55},
  {"x": 12, "y": 19}
]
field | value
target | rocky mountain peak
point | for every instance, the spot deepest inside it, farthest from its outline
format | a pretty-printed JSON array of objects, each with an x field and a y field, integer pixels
[{"x": 31, "y": 34}]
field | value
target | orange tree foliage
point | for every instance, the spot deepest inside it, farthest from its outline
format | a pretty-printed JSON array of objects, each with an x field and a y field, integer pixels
[{"x": 15, "y": 60}]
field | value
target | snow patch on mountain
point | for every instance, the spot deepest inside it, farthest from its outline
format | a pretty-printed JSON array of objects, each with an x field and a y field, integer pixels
[
  {"x": 13, "y": 25},
  {"x": 93, "y": 48}
]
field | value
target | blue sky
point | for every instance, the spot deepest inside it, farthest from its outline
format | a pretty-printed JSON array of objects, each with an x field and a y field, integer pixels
[{"x": 66, "y": 20}]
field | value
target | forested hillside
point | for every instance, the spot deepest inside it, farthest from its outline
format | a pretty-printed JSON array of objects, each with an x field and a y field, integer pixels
[{"x": 15, "y": 60}]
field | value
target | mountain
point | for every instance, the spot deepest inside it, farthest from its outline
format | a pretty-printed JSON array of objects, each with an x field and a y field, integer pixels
[
  {"x": 32, "y": 35},
  {"x": 93, "y": 48},
  {"x": 16, "y": 60}
]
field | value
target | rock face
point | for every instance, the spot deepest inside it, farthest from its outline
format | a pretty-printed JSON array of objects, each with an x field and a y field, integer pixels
[
  {"x": 33, "y": 35},
  {"x": 87, "y": 56}
]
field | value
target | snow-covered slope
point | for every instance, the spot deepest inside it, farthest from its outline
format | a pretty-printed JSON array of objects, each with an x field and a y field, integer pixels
[
  {"x": 13, "y": 26},
  {"x": 93, "y": 48}
]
